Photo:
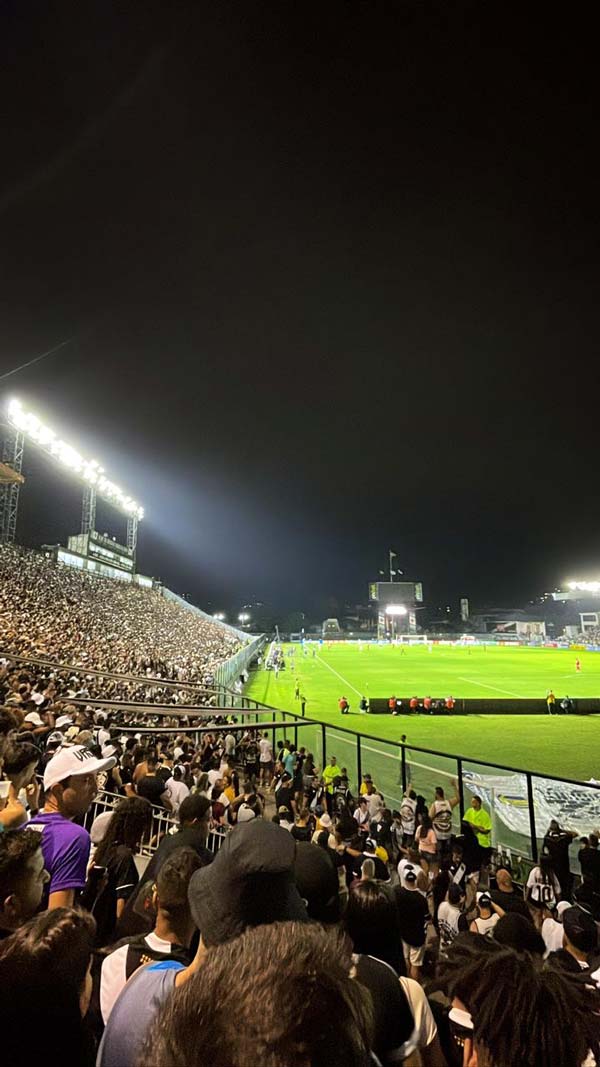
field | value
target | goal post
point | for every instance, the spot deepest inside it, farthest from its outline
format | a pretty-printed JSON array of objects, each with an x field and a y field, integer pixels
[{"x": 412, "y": 639}]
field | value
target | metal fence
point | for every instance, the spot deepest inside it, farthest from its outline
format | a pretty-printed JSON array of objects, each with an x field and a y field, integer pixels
[{"x": 163, "y": 822}]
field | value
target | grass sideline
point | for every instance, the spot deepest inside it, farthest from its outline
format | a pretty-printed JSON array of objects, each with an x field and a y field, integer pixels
[{"x": 561, "y": 745}]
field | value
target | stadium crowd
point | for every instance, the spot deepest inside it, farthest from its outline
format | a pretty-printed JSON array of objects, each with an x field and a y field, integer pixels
[
  {"x": 54, "y": 612},
  {"x": 325, "y": 929}
]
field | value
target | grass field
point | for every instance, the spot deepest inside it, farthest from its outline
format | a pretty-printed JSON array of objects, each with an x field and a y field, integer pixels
[{"x": 560, "y": 745}]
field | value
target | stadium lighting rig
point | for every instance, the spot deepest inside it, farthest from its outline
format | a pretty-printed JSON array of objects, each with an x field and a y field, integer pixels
[
  {"x": 584, "y": 587},
  {"x": 88, "y": 470},
  {"x": 395, "y": 609}
]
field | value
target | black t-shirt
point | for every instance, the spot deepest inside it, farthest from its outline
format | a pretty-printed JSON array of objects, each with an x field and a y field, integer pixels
[
  {"x": 131, "y": 922},
  {"x": 589, "y": 858},
  {"x": 510, "y": 902},
  {"x": 284, "y": 797},
  {"x": 151, "y": 787},
  {"x": 392, "y": 1017},
  {"x": 302, "y": 833},
  {"x": 122, "y": 881},
  {"x": 412, "y": 915}
]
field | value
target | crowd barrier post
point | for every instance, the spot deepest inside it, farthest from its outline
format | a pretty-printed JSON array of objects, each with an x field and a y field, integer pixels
[
  {"x": 461, "y": 793},
  {"x": 324, "y": 740},
  {"x": 358, "y": 763},
  {"x": 532, "y": 829},
  {"x": 403, "y": 767}
]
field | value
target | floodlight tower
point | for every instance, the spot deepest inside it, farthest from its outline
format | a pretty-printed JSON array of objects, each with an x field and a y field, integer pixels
[{"x": 12, "y": 455}]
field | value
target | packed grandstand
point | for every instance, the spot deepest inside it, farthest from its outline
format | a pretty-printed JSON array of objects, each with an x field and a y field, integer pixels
[{"x": 190, "y": 889}]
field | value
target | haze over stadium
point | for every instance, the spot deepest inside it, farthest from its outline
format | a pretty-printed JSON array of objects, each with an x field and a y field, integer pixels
[{"x": 299, "y": 566}]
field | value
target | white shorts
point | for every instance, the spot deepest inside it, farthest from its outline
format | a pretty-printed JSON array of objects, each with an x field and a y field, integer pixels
[{"x": 412, "y": 955}]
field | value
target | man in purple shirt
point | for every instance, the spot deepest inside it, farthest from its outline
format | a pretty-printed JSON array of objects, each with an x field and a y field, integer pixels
[{"x": 70, "y": 787}]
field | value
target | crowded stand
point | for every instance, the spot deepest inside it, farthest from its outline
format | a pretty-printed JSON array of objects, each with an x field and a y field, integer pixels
[
  {"x": 218, "y": 897},
  {"x": 54, "y": 612}
]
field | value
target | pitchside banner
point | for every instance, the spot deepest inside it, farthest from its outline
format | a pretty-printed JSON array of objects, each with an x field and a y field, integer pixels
[{"x": 573, "y": 806}]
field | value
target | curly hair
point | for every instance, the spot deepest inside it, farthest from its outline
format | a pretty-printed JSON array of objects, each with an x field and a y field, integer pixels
[
  {"x": 274, "y": 996},
  {"x": 129, "y": 822},
  {"x": 524, "y": 1010}
]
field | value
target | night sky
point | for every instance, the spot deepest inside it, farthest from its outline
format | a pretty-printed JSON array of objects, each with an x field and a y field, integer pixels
[{"x": 331, "y": 276}]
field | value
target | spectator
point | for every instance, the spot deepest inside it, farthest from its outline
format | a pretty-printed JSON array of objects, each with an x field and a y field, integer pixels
[
  {"x": 192, "y": 833},
  {"x": 509, "y": 1009},
  {"x": 22, "y": 879},
  {"x": 45, "y": 973},
  {"x": 177, "y": 790},
  {"x": 408, "y": 815},
  {"x": 543, "y": 875},
  {"x": 580, "y": 937},
  {"x": 518, "y": 932},
  {"x": 507, "y": 895},
  {"x": 172, "y": 934},
  {"x": 488, "y": 915},
  {"x": 152, "y": 787},
  {"x": 426, "y": 841},
  {"x": 70, "y": 787},
  {"x": 551, "y": 927},
  {"x": 451, "y": 918},
  {"x": 440, "y": 813},
  {"x": 371, "y": 923},
  {"x": 557, "y": 843},
  {"x": 227, "y": 1014},
  {"x": 589, "y": 861},
  {"x": 413, "y": 916},
  {"x": 480, "y": 820},
  {"x": 115, "y": 857}
]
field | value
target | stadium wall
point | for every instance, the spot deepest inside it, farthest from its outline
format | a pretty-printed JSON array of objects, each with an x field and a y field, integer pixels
[{"x": 229, "y": 671}]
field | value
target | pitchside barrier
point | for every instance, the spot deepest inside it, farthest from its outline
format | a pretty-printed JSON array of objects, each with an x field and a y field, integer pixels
[{"x": 488, "y": 706}]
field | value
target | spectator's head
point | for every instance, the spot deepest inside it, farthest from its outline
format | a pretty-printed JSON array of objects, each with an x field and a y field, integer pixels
[
  {"x": 8, "y": 726},
  {"x": 171, "y": 900},
  {"x": 228, "y": 1013},
  {"x": 504, "y": 880},
  {"x": 317, "y": 881},
  {"x": 194, "y": 809},
  {"x": 22, "y": 877},
  {"x": 70, "y": 780},
  {"x": 129, "y": 823},
  {"x": 518, "y": 932},
  {"x": 47, "y": 963},
  {"x": 475, "y": 802},
  {"x": 20, "y": 762},
  {"x": 439, "y": 793},
  {"x": 511, "y": 1008},
  {"x": 455, "y": 895},
  {"x": 249, "y": 883},
  {"x": 370, "y": 922},
  {"x": 580, "y": 936},
  {"x": 593, "y": 841}
]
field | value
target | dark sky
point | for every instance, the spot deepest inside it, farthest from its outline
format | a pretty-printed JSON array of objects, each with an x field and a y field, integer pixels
[{"x": 331, "y": 273}]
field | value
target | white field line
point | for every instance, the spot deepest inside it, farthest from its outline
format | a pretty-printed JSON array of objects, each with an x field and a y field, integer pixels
[
  {"x": 495, "y": 687},
  {"x": 340, "y": 676}
]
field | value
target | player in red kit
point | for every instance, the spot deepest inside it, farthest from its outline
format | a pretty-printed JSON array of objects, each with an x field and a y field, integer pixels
[{"x": 577, "y": 665}]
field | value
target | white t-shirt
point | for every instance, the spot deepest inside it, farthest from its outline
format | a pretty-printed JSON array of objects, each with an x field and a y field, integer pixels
[
  {"x": 442, "y": 819},
  {"x": 362, "y": 816},
  {"x": 408, "y": 810},
  {"x": 537, "y": 878},
  {"x": 485, "y": 926},
  {"x": 425, "y": 1028},
  {"x": 213, "y": 777},
  {"x": 266, "y": 750},
  {"x": 177, "y": 792},
  {"x": 552, "y": 933},
  {"x": 448, "y": 921},
  {"x": 374, "y": 804},
  {"x": 113, "y": 976}
]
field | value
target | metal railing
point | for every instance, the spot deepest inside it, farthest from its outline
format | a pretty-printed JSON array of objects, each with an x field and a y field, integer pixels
[{"x": 163, "y": 822}]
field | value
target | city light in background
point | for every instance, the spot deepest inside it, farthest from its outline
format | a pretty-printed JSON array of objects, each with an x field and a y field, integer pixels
[
  {"x": 219, "y": 616},
  {"x": 89, "y": 470},
  {"x": 243, "y": 617}
]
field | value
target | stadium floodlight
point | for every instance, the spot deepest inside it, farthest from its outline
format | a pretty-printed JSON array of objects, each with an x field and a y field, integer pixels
[
  {"x": 585, "y": 587},
  {"x": 89, "y": 470},
  {"x": 243, "y": 617},
  {"x": 395, "y": 609},
  {"x": 219, "y": 616}
]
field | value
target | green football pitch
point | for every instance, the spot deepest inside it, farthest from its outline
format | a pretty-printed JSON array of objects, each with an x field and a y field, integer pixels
[{"x": 566, "y": 746}]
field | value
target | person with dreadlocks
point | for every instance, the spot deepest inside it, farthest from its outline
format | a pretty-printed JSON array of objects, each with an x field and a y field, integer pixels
[
  {"x": 113, "y": 876},
  {"x": 511, "y": 1008}
]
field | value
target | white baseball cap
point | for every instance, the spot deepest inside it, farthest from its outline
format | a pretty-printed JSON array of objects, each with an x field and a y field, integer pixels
[
  {"x": 63, "y": 720},
  {"x": 34, "y": 718},
  {"x": 74, "y": 761}
]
